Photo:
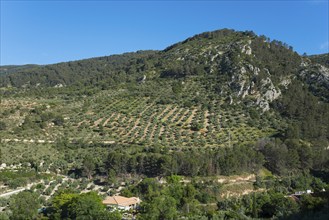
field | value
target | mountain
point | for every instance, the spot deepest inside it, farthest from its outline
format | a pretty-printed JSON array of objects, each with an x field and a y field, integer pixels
[
  {"x": 7, "y": 69},
  {"x": 208, "y": 86},
  {"x": 218, "y": 103},
  {"x": 242, "y": 63}
]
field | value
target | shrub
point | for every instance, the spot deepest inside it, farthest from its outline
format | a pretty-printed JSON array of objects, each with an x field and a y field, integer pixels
[
  {"x": 3, "y": 126},
  {"x": 196, "y": 126},
  {"x": 14, "y": 183}
]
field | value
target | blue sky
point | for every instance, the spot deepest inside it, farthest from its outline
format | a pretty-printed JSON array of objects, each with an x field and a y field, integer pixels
[{"x": 44, "y": 32}]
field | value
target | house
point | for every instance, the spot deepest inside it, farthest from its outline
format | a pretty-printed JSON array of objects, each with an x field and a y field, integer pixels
[
  {"x": 121, "y": 202},
  {"x": 299, "y": 193}
]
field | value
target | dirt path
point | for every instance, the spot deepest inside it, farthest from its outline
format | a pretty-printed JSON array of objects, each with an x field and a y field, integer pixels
[
  {"x": 162, "y": 130},
  {"x": 154, "y": 128},
  {"x": 188, "y": 121},
  {"x": 169, "y": 114},
  {"x": 115, "y": 120},
  {"x": 163, "y": 112},
  {"x": 237, "y": 179},
  {"x": 27, "y": 141},
  {"x": 28, "y": 186},
  {"x": 81, "y": 122},
  {"x": 135, "y": 107},
  {"x": 121, "y": 124},
  {"x": 8, "y": 194},
  {"x": 108, "y": 119},
  {"x": 133, "y": 128},
  {"x": 176, "y": 115},
  {"x": 183, "y": 116},
  {"x": 126, "y": 130},
  {"x": 97, "y": 122},
  {"x": 145, "y": 109},
  {"x": 149, "y": 123}
]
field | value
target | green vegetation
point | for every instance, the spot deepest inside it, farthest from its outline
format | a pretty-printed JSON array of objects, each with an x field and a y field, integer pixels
[
  {"x": 194, "y": 200},
  {"x": 322, "y": 59},
  {"x": 20, "y": 178},
  {"x": 221, "y": 103},
  {"x": 8, "y": 69},
  {"x": 24, "y": 206},
  {"x": 66, "y": 205}
]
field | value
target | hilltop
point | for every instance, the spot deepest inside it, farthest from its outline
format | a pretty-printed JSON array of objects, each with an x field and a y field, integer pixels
[
  {"x": 7, "y": 69},
  {"x": 322, "y": 59}
]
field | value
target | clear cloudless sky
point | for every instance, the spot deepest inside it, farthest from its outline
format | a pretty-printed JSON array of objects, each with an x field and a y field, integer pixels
[{"x": 44, "y": 32}]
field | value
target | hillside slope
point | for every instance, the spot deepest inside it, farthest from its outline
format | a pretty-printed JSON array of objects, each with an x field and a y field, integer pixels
[
  {"x": 322, "y": 59},
  {"x": 8, "y": 69},
  {"x": 223, "y": 125},
  {"x": 214, "y": 89},
  {"x": 240, "y": 64}
]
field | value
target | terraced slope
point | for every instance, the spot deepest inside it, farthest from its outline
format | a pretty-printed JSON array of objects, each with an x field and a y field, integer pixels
[
  {"x": 117, "y": 117},
  {"x": 215, "y": 89}
]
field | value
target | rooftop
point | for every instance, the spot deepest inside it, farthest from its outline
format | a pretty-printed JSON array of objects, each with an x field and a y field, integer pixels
[{"x": 120, "y": 200}]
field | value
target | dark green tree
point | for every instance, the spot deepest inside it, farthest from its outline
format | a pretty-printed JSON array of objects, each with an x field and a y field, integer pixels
[
  {"x": 87, "y": 206},
  {"x": 88, "y": 166},
  {"x": 3, "y": 126},
  {"x": 24, "y": 205}
]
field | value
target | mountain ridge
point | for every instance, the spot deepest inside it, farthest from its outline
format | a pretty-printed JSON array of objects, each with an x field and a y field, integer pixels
[
  {"x": 241, "y": 71},
  {"x": 251, "y": 61}
]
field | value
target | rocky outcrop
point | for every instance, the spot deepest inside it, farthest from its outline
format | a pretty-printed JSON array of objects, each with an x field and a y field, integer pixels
[
  {"x": 243, "y": 86},
  {"x": 269, "y": 94},
  {"x": 316, "y": 73},
  {"x": 317, "y": 77}
]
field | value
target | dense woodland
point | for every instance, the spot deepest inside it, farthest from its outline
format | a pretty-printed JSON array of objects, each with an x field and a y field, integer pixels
[
  {"x": 321, "y": 59},
  {"x": 185, "y": 115}
]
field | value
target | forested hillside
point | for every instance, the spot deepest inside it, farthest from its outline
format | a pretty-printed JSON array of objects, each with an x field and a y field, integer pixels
[
  {"x": 8, "y": 69},
  {"x": 222, "y": 103},
  {"x": 322, "y": 59}
]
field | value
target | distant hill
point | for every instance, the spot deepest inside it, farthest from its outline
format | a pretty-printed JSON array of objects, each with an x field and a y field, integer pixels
[
  {"x": 322, "y": 59},
  {"x": 8, "y": 69}
]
